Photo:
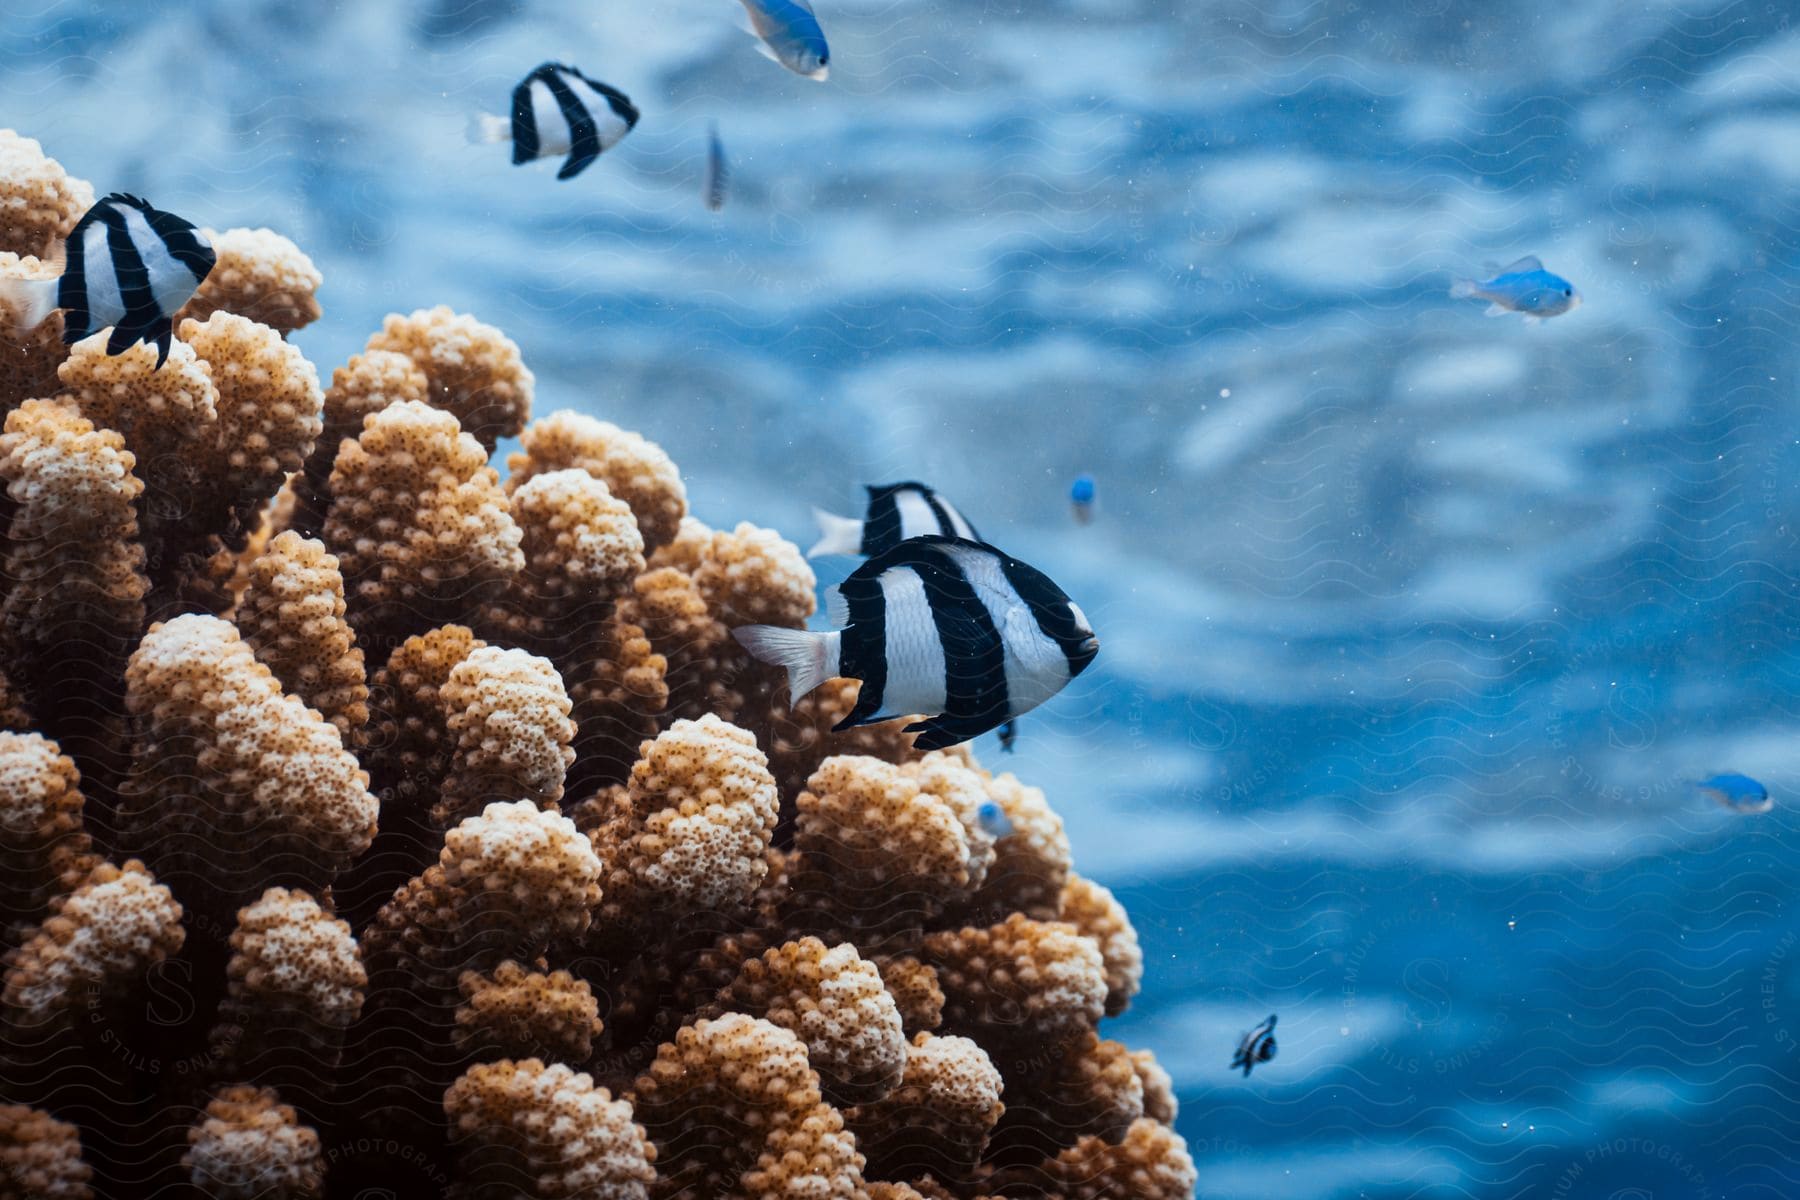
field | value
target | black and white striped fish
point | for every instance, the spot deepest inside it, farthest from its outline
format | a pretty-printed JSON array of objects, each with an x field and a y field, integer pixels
[
  {"x": 125, "y": 265},
  {"x": 1257, "y": 1046},
  {"x": 896, "y": 512},
  {"x": 718, "y": 176},
  {"x": 944, "y": 627},
  {"x": 558, "y": 110}
]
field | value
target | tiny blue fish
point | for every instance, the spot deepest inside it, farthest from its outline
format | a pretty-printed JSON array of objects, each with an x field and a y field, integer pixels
[
  {"x": 994, "y": 820},
  {"x": 1081, "y": 498},
  {"x": 1009, "y": 733},
  {"x": 790, "y": 36},
  {"x": 716, "y": 173},
  {"x": 1257, "y": 1046},
  {"x": 1523, "y": 287},
  {"x": 1740, "y": 793}
]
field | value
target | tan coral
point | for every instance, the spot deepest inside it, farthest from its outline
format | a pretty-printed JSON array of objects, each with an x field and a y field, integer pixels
[
  {"x": 506, "y": 882},
  {"x": 98, "y": 940},
  {"x": 509, "y": 716},
  {"x": 40, "y": 1157},
  {"x": 582, "y": 551},
  {"x": 695, "y": 645},
  {"x": 234, "y": 779},
  {"x": 418, "y": 522},
  {"x": 250, "y": 1146},
  {"x": 39, "y": 201},
  {"x": 292, "y": 615},
  {"x": 735, "y": 1109},
  {"x": 475, "y": 370},
  {"x": 28, "y": 357},
  {"x": 939, "y": 1118},
  {"x": 633, "y": 468},
  {"x": 73, "y": 567},
  {"x": 1026, "y": 987},
  {"x": 546, "y": 1133},
  {"x": 269, "y": 405},
  {"x": 296, "y": 983},
  {"x": 513, "y": 1012},
  {"x": 617, "y": 701},
  {"x": 879, "y": 854},
  {"x": 44, "y": 846},
  {"x": 410, "y": 728},
  {"x": 914, "y": 987},
  {"x": 368, "y": 383},
  {"x": 1096, "y": 912},
  {"x": 257, "y": 274},
  {"x": 1159, "y": 1090},
  {"x": 836, "y": 1002},
  {"x": 14, "y": 714},
  {"x": 1150, "y": 1162},
  {"x": 1032, "y": 862},
  {"x": 754, "y": 576},
  {"x": 690, "y": 831}
]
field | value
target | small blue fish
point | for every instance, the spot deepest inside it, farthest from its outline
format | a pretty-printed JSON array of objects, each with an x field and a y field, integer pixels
[
  {"x": 1009, "y": 733},
  {"x": 1739, "y": 793},
  {"x": 1523, "y": 287},
  {"x": 790, "y": 36},
  {"x": 1257, "y": 1046},
  {"x": 1081, "y": 498},
  {"x": 994, "y": 820}
]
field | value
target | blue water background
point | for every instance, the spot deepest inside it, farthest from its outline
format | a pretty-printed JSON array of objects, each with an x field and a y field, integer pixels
[{"x": 1416, "y": 624}]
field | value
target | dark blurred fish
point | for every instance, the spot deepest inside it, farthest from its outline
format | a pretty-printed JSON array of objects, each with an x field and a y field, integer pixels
[
  {"x": 125, "y": 264},
  {"x": 1523, "y": 287},
  {"x": 1081, "y": 498},
  {"x": 941, "y": 626},
  {"x": 1740, "y": 793},
  {"x": 1009, "y": 733},
  {"x": 1257, "y": 1046},
  {"x": 716, "y": 175},
  {"x": 558, "y": 110},
  {"x": 790, "y": 35},
  {"x": 896, "y": 512}
]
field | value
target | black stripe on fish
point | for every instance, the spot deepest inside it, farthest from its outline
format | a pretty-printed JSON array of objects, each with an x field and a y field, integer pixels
[
  {"x": 524, "y": 118},
  {"x": 862, "y": 650},
  {"x": 584, "y": 135},
  {"x": 141, "y": 317},
  {"x": 1050, "y": 609},
  {"x": 975, "y": 692},
  {"x": 884, "y": 527},
  {"x": 71, "y": 288}
]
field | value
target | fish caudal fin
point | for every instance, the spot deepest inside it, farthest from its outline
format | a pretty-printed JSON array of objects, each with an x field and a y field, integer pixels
[
  {"x": 1462, "y": 289},
  {"x": 25, "y": 303},
  {"x": 806, "y": 657},
  {"x": 838, "y": 535},
  {"x": 485, "y": 129}
]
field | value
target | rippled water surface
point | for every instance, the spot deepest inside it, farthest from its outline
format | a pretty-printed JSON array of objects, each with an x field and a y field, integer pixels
[{"x": 1417, "y": 625}]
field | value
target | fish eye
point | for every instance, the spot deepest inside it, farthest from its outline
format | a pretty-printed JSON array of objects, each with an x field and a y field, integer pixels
[
  {"x": 1568, "y": 291},
  {"x": 824, "y": 59}
]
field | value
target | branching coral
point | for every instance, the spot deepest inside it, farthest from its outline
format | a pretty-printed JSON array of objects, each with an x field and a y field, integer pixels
[
  {"x": 527, "y": 1130},
  {"x": 261, "y": 275},
  {"x": 564, "y": 832},
  {"x": 474, "y": 370}
]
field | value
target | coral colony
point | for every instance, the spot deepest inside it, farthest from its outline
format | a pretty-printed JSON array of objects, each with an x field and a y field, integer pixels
[{"x": 374, "y": 825}]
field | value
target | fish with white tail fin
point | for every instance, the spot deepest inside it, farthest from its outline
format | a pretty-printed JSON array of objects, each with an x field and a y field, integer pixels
[
  {"x": 948, "y": 628},
  {"x": 126, "y": 265},
  {"x": 896, "y": 512},
  {"x": 789, "y": 33},
  {"x": 558, "y": 110}
]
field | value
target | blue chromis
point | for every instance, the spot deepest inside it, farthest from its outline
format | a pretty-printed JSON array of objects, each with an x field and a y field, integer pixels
[
  {"x": 993, "y": 819},
  {"x": 718, "y": 176},
  {"x": 1257, "y": 1046},
  {"x": 790, "y": 35},
  {"x": 1739, "y": 793},
  {"x": 1522, "y": 287},
  {"x": 1081, "y": 498}
]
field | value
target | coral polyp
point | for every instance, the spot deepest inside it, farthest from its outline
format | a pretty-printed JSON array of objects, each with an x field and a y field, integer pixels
[{"x": 369, "y": 820}]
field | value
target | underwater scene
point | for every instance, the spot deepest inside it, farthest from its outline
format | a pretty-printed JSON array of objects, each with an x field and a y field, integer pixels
[{"x": 900, "y": 600}]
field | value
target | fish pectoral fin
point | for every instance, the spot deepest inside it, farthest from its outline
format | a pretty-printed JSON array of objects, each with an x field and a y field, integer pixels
[
  {"x": 763, "y": 48},
  {"x": 1496, "y": 310},
  {"x": 1531, "y": 319},
  {"x": 942, "y": 732}
]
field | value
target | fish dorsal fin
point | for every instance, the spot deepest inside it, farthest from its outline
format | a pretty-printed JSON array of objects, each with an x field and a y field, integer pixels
[
  {"x": 837, "y": 609},
  {"x": 1523, "y": 266}
]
